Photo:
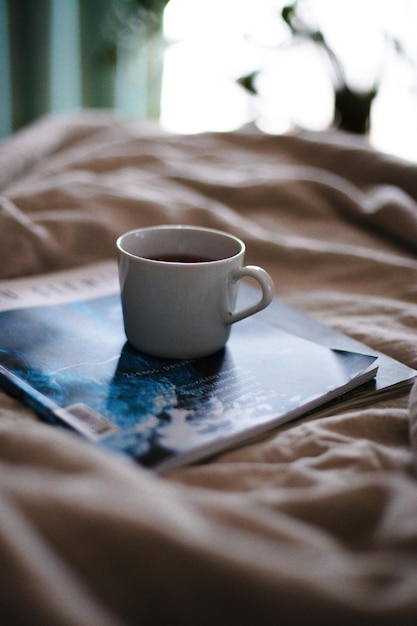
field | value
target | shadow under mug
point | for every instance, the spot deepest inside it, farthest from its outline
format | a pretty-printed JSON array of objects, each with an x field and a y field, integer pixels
[{"x": 179, "y": 286}]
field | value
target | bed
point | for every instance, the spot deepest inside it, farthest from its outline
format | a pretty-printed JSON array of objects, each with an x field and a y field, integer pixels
[{"x": 314, "y": 523}]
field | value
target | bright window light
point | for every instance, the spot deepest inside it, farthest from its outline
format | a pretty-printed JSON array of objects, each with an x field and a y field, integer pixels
[{"x": 211, "y": 43}]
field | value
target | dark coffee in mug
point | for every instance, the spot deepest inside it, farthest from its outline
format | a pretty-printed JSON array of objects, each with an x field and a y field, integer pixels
[{"x": 181, "y": 258}]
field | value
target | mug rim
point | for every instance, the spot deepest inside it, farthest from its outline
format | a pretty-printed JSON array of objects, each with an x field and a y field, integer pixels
[{"x": 177, "y": 228}]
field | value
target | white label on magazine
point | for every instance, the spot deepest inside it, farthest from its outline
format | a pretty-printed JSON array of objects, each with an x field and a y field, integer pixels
[
  {"x": 85, "y": 283},
  {"x": 86, "y": 421}
]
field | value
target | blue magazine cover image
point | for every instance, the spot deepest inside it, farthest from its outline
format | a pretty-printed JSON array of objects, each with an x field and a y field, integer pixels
[{"x": 72, "y": 364}]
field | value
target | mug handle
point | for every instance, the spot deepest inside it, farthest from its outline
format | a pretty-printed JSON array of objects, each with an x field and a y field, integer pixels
[{"x": 263, "y": 279}]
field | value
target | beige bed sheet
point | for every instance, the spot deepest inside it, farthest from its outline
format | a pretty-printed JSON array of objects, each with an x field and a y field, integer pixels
[{"x": 315, "y": 523}]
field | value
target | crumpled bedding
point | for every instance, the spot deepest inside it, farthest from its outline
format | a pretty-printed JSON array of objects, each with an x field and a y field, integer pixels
[{"x": 317, "y": 522}]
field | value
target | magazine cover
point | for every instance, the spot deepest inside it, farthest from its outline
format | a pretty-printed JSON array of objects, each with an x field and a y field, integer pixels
[{"x": 64, "y": 353}]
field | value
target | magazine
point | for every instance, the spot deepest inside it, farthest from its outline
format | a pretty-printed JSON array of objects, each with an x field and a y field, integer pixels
[{"x": 64, "y": 353}]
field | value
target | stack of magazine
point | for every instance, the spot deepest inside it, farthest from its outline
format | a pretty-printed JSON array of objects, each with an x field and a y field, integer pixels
[{"x": 63, "y": 352}]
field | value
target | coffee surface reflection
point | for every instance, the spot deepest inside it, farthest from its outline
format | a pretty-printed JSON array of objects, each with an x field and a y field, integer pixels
[{"x": 181, "y": 258}]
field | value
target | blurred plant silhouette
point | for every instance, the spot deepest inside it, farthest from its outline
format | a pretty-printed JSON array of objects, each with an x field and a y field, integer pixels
[{"x": 351, "y": 107}]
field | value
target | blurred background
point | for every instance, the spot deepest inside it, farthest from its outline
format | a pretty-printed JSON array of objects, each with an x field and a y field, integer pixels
[{"x": 196, "y": 65}]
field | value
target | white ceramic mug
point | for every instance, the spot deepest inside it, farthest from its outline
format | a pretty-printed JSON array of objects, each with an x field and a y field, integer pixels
[{"x": 179, "y": 287}]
